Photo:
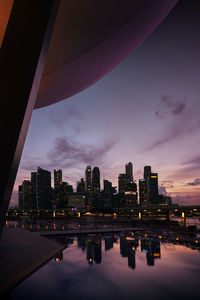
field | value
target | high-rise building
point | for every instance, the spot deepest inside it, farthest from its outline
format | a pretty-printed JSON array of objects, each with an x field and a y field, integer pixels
[
  {"x": 34, "y": 189},
  {"x": 88, "y": 188},
  {"x": 127, "y": 187},
  {"x": 148, "y": 187},
  {"x": 147, "y": 172},
  {"x": 96, "y": 180},
  {"x": 43, "y": 187},
  {"x": 107, "y": 185},
  {"x": 20, "y": 197},
  {"x": 143, "y": 191},
  {"x": 61, "y": 194},
  {"x": 153, "y": 188},
  {"x": 123, "y": 181},
  {"x": 129, "y": 171},
  {"x": 25, "y": 194},
  {"x": 57, "y": 178},
  {"x": 80, "y": 188},
  {"x": 88, "y": 179}
]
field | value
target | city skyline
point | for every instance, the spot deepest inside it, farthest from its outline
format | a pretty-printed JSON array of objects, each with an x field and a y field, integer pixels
[
  {"x": 145, "y": 110},
  {"x": 39, "y": 193},
  {"x": 58, "y": 175}
]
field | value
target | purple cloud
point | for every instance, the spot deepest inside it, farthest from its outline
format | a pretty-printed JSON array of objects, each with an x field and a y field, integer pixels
[
  {"x": 185, "y": 124},
  {"x": 65, "y": 153},
  {"x": 195, "y": 182},
  {"x": 176, "y": 107}
]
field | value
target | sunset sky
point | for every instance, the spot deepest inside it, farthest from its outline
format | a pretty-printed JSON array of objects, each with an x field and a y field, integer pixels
[{"x": 145, "y": 111}]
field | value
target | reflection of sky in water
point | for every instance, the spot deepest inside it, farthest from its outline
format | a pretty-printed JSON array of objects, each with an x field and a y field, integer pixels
[{"x": 140, "y": 268}]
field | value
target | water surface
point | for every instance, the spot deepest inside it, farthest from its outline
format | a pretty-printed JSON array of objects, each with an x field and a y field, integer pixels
[{"x": 137, "y": 265}]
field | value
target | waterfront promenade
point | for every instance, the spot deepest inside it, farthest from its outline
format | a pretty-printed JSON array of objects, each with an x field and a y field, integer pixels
[{"x": 21, "y": 253}]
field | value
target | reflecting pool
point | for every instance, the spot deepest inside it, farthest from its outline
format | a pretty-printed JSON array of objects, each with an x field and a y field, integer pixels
[{"x": 131, "y": 265}]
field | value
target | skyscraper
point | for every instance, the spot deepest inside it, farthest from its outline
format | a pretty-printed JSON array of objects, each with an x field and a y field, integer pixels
[
  {"x": 153, "y": 188},
  {"x": 88, "y": 179},
  {"x": 143, "y": 191},
  {"x": 88, "y": 187},
  {"x": 34, "y": 189},
  {"x": 24, "y": 194},
  {"x": 129, "y": 171},
  {"x": 57, "y": 178},
  {"x": 148, "y": 187},
  {"x": 43, "y": 183},
  {"x": 80, "y": 188},
  {"x": 123, "y": 181},
  {"x": 96, "y": 180},
  {"x": 20, "y": 197}
]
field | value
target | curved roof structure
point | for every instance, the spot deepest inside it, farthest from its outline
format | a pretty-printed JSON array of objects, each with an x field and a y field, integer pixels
[{"x": 90, "y": 38}]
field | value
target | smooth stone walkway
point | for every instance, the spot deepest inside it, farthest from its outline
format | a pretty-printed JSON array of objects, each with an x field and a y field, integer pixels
[{"x": 21, "y": 253}]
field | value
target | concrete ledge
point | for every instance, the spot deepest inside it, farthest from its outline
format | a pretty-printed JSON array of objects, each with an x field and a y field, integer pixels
[{"x": 21, "y": 253}]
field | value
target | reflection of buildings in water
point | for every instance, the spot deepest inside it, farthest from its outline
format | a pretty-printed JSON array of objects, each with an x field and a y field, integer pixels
[
  {"x": 128, "y": 246},
  {"x": 81, "y": 242},
  {"x": 152, "y": 250},
  {"x": 109, "y": 241},
  {"x": 59, "y": 256},
  {"x": 93, "y": 246}
]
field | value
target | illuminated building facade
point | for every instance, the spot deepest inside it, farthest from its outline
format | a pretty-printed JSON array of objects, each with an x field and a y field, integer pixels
[
  {"x": 148, "y": 187},
  {"x": 88, "y": 179},
  {"x": 143, "y": 192},
  {"x": 88, "y": 187}
]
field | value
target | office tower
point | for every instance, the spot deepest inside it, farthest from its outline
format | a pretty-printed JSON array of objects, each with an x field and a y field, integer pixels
[
  {"x": 107, "y": 185},
  {"x": 96, "y": 180},
  {"x": 106, "y": 200},
  {"x": 88, "y": 188},
  {"x": 80, "y": 188},
  {"x": 25, "y": 194},
  {"x": 143, "y": 192},
  {"x": 57, "y": 178},
  {"x": 153, "y": 188},
  {"x": 88, "y": 179},
  {"x": 34, "y": 192},
  {"x": 43, "y": 183},
  {"x": 127, "y": 188},
  {"x": 123, "y": 181},
  {"x": 61, "y": 194},
  {"x": 147, "y": 172},
  {"x": 129, "y": 171},
  {"x": 20, "y": 197},
  {"x": 149, "y": 187}
]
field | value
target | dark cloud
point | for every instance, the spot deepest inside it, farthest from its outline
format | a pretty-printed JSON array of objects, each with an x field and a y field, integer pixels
[
  {"x": 181, "y": 119},
  {"x": 178, "y": 108},
  {"x": 174, "y": 107},
  {"x": 68, "y": 154},
  {"x": 195, "y": 182}
]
